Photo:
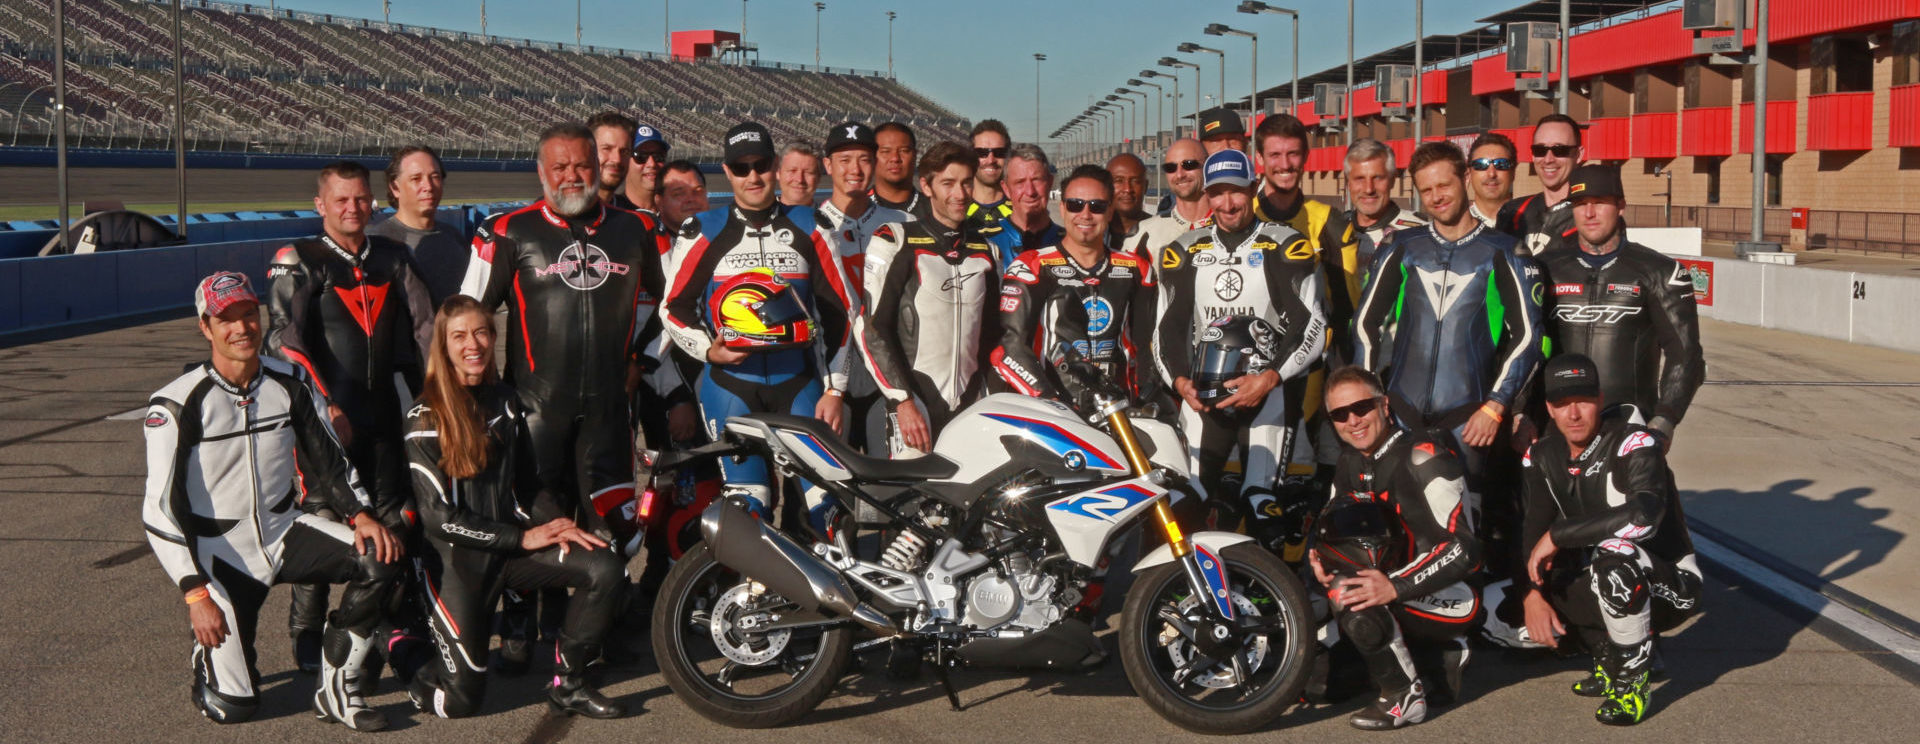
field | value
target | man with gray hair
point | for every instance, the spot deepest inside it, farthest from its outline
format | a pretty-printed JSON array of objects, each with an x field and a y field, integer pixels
[
  {"x": 1027, "y": 183},
  {"x": 799, "y": 174},
  {"x": 1371, "y": 175}
]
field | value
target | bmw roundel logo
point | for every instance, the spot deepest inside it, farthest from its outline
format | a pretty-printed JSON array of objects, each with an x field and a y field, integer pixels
[{"x": 1074, "y": 459}]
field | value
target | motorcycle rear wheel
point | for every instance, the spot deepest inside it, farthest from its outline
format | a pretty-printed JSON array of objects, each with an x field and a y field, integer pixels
[
  {"x": 733, "y": 676},
  {"x": 1151, "y": 649}
]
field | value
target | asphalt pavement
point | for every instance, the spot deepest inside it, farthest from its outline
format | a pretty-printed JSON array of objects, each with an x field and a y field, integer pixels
[{"x": 94, "y": 642}]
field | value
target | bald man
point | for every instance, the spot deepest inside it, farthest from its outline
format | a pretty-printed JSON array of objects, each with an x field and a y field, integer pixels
[{"x": 1129, "y": 194}]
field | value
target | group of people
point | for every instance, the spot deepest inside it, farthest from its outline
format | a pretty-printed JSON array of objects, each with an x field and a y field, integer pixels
[{"x": 1335, "y": 374}]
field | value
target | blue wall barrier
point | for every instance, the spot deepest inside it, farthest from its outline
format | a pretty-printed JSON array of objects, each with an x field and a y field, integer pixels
[{"x": 91, "y": 157}]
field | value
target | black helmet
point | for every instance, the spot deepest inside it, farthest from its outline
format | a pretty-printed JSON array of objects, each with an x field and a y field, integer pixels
[
  {"x": 1353, "y": 536},
  {"x": 1231, "y": 347}
]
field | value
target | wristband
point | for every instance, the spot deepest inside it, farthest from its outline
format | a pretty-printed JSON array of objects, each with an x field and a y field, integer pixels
[
  {"x": 196, "y": 594},
  {"x": 836, "y": 393},
  {"x": 1487, "y": 408}
]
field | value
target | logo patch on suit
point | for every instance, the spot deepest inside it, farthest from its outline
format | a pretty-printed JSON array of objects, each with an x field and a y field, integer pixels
[{"x": 363, "y": 303}]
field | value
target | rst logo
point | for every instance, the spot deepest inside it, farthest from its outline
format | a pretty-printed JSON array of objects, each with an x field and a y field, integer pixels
[{"x": 1606, "y": 314}]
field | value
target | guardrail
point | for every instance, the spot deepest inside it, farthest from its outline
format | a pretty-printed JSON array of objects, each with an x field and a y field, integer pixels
[{"x": 1873, "y": 309}]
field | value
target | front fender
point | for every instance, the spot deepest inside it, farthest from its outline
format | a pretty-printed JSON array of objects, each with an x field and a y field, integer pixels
[{"x": 1214, "y": 542}]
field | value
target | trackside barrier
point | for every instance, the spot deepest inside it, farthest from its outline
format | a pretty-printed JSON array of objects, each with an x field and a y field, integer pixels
[
  {"x": 59, "y": 290},
  {"x": 1874, "y": 309}
]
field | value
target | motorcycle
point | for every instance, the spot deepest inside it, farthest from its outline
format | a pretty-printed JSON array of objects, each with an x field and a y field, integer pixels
[{"x": 993, "y": 541}]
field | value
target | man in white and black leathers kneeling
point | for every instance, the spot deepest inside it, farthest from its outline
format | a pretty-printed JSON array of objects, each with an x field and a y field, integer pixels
[
  {"x": 1610, "y": 557},
  {"x": 231, "y": 445}
]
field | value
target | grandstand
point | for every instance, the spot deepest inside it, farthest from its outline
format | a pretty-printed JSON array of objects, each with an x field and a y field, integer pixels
[{"x": 262, "y": 80}]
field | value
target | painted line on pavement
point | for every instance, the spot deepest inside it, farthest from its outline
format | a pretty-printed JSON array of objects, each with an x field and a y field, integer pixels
[
  {"x": 1868, "y": 628},
  {"x": 133, "y": 415},
  {"x": 1810, "y": 383}
]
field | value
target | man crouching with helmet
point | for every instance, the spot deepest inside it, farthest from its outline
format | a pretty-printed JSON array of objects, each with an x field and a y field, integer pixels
[
  {"x": 1393, "y": 548},
  {"x": 1242, "y": 315}
]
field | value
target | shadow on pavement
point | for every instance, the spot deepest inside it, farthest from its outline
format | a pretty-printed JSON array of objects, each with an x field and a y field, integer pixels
[{"x": 1849, "y": 538}]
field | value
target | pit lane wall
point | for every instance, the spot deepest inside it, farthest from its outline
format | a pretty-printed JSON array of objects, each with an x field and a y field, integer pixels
[{"x": 1873, "y": 309}]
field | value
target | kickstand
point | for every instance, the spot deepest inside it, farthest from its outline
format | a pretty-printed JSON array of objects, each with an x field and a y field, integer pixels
[{"x": 946, "y": 682}]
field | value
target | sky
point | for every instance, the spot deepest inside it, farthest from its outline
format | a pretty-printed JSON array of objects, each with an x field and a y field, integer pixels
[{"x": 976, "y": 57}]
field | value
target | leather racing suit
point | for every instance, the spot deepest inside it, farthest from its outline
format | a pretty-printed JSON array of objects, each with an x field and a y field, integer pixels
[
  {"x": 1417, "y": 484},
  {"x": 1335, "y": 243},
  {"x": 1264, "y": 271},
  {"x": 713, "y": 247},
  {"x": 1465, "y": 326},
  {"x": 1625, "y": 569},
  {"x": 473, "y": 529},
  {"x": 225, "y": 467},
  {"x": 930, "y": 316},
  {"x": 1631, "y": 311},
  {"x": 1396, "y": 219},
  {"x": 1536, "y": 224},
  {"x": 1117, "y": 295},
  {"x": 576, "y": 290},
  {"x": 849, "y": 238}
]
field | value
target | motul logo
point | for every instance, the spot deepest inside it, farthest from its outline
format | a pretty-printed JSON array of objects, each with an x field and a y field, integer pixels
[{"x": 1606, "y": 314}]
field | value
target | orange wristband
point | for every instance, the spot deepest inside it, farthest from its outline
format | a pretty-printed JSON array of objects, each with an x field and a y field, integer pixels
[
  {"x": 196, "y": 594},
  {"x": 1487, "y": 408}
]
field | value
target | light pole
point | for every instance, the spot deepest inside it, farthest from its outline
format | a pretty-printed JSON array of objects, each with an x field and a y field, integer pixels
[
  {"x": 1122, "y": 112},
  {"x": 1419, "y": 67},
  {"x": 1159, "y": 106},
  {"x": 1254, "y": 7},
  {"x": 60, "y": 117},
  {"x": 1190, "y": 47},
  {"x": 819, "y": 8},
  {"x": 1176, "y": 92},
  {"x": 576, "y": 22},
  {"x": 1140, "y": 109},
  {"x": 743, "y": 24},
  {"x": 1756, "y": 226},
  {"x": 1345, "y": 101},
  {"x": 1178, "y": 63},
  {"x": 1037, "y": 59},
  {"x": 890, "y": 16},
  {"x": 1253, "y": 96}
]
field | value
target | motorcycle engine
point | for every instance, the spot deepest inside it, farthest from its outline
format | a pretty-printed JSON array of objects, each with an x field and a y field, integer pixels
[{"x": 1017, "y": 596}]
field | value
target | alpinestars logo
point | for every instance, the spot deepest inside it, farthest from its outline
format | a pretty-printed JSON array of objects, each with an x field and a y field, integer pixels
[
  {"x": 583, "y": 266},
  {"x": 1443, "y": 289}
]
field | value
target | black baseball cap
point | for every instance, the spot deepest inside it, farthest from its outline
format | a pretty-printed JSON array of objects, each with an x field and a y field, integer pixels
[
  {"x": 1571, "y": 375},
  {"x": 850, "y": 134},
  {"x": 746, "y": 140},
  {"x": 1593, "y": 180},
  {"x": 1220, "y": 122}
]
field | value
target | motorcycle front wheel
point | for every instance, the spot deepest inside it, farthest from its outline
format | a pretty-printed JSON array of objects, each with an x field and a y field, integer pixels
[
  {"x": 710, "y": 644},
  {"x": 1161, "y": 631}
]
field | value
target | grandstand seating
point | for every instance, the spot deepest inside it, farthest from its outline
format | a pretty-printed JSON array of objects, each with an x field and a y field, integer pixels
[{"x": 287, "y": 81}]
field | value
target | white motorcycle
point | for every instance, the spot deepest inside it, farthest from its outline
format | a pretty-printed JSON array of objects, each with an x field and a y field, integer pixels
[{"x": 994, "y": 538}]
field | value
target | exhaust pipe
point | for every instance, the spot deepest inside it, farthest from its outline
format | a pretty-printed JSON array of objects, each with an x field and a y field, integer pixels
[{"x": 745, "y": 544}]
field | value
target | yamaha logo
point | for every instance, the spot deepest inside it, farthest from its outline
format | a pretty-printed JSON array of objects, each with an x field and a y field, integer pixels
[{"x": 1228, "y": 285}]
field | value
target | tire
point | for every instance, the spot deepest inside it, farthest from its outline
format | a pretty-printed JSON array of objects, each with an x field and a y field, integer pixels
[
  {"x": 1257, "y": 577},
  {"x": 697, "y": 583}
]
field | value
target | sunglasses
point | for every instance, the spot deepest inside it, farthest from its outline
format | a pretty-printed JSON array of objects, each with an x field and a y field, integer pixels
[
  {"x": 740, "y": 170},
  {"x": 1172, "y": 168},
  {"x": 1505, "y": 164},
  {"x": 1099, "y": 206},
  {"x": 641, "y": 156},
  {"x": 981, "y": 153},
  {"x": 1558, "y": 151},
  {"x": 1350, "y": 410}
]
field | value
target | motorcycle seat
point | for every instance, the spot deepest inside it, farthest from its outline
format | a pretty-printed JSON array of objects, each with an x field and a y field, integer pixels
[{"x": 924, "y": 468}]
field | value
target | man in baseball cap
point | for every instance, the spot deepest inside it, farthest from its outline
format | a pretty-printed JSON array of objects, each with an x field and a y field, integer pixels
[
  {"x": 649, "y": 161},
  {"x": 1571, "y": 376},
  {"x": 222, "y": 291},
  {"x": 1227, "y": 168},
  {"x": 1220, "y": 129}
]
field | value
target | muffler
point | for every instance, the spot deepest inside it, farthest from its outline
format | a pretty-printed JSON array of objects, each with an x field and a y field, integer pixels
[{"x": 743, "y": 543}]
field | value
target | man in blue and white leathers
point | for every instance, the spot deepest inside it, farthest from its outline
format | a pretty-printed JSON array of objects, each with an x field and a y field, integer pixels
[{"x": 1462, "y": 305}]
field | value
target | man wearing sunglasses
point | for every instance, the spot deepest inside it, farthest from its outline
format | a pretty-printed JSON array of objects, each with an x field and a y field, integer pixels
[
  {"x": 649, "y": 163},
  {"x": 1492, "y": 159},
  {"x": 1238, "y": 267},
  {"x": 894, "y": 156},
  {"x": 848, "y": 220},
  {"x": 1543, "y": 219},
  {"x": 1406, "y": 609},
  {"x": 1463, "y": 305},
  {"x": 1627, "y": 307},
  {"x": 771, "y": 255},
  {"x": 1370, "y": 178},
  {"x": 1610, "y": 556},
  {"x": 1185, "y": 208},
  {"x": 991, "y": 143},
  {"x": 1077, "y": 299},
  {"x": 931, "y": 290}
]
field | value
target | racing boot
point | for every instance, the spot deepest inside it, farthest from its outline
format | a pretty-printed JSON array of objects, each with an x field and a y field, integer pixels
[
  {"x": 1445, "y": 663},
  {"x": 339, "y": 698},
  {"x": 306, "y": 651},
  {"x": 1593, "y": 685},
  {"x": 1626, "y": 701},
  {"x": 1392, "y": 710},
  {"x": 516, "y": 632},
  {"x": 570, "y": 692}
]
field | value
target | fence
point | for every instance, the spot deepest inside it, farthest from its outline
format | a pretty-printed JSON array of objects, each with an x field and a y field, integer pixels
[{"x": 1872, "y": 233}]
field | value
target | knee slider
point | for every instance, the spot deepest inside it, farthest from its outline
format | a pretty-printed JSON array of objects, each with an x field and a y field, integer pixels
[
  {"x": 1370, "y": 629},
  {"x": 1619, "y": 583}
]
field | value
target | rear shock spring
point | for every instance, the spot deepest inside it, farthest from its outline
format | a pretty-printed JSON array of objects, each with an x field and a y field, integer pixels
[{"x": 905, "y": 552}]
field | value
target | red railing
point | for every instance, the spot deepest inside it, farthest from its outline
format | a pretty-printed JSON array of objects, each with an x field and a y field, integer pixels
[
  {"x": 1839, "y": 121},
  {"x": 1606, "y": 138},
  {"x": 1903, "y": 116},
  {"x": 1655, "y": 135},
  {"x": 1782, "y": 127},
  {"x": 1707, "y": 131}
]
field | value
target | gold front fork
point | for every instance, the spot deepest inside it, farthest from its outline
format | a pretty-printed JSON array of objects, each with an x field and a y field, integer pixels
[{"x": 1137, "y": 458}]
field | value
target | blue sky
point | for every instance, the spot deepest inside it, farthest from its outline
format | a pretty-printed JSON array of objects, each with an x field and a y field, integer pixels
[{"x": 976, "y": 57}]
